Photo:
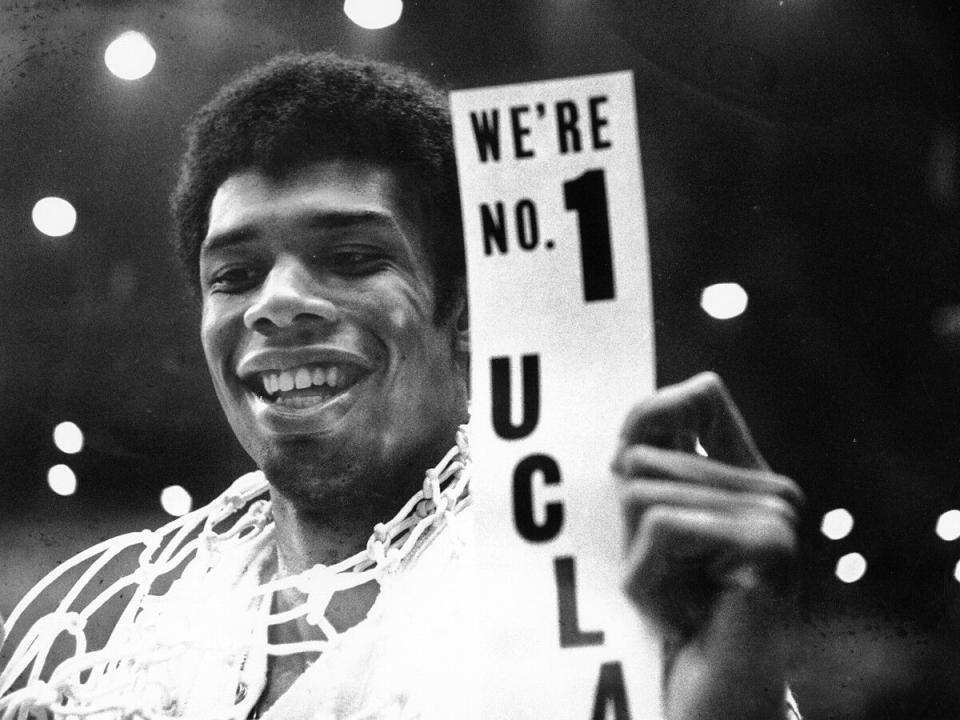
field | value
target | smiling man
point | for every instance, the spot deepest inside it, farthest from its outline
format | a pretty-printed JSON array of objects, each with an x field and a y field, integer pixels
[
  {"x": 324, "y": 341},
  {"x": 318, "y": 219}
]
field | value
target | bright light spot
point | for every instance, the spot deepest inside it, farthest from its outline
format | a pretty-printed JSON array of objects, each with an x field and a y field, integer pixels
[
  {"x": 54, "y": 216},
  {"x": 130, "y": 56},
  {"x": 373, "y": 14},
  {"x": 948, "y": 525},
  {"x": 851, "y": 567},
  {"x": 61, "y": 480},
  {"x": 837, "y": 524},
  {"x": 956, "y": 572},
  {"x": 68, "y": 438},
  {"x": 723, "y": 300},
  {"x": 176, "y": 500},
  {"x": 701, "y": 450}
]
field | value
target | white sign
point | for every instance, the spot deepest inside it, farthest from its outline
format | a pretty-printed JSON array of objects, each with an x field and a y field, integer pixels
[{"x": 562, "y": 345}]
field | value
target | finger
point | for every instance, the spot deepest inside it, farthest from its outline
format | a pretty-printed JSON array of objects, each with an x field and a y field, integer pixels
[
  {"x": 638, "y": 497},
  {"x": 681, "y": 558},
  {"x": 643, "y": 461},
  {"x": 674, "y": 537},
  {"x": 699, "y": 408}
]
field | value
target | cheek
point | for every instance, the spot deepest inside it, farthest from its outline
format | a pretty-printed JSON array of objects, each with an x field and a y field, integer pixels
[
  {"x": 397, "y": 319},
  {"x": 208, "y": 338},
  {"x": 216, "y": 339},
  {"x": 403, "y": 312}
]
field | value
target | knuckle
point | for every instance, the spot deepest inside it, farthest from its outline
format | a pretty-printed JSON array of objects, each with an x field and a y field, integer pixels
[
  {"x": 640, "y": 416},
  {"x": 709, "y": 381},
  {"x": 772, "y": 536},
  {"x": 618, "y": 463},
  {"x": 787, "y": 489},
  {"x": 710, "y": 386},
  {"x": 632, "y": 460},
  {"x": 776, "y": 485},
  {"x": 779, "y": 508},
  {"x": 655, "y": 528},
  {"x": 655, "y": 519},
  {"x": 635, "y": 493}
]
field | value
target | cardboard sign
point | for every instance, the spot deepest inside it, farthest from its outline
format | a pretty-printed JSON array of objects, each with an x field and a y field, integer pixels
[{"x": 562, "y": 346}]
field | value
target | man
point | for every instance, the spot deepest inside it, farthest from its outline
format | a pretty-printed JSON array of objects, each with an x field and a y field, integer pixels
[{"x": 318, "y": 218}]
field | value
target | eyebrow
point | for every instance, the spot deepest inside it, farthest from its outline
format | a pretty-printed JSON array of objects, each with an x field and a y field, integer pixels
[{"x": 321, "y": 220}]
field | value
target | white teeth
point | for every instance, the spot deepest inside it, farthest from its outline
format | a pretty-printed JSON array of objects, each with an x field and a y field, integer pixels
[
  {"x": 302, "y": 378},
  {"x": 299, "y": 401}
]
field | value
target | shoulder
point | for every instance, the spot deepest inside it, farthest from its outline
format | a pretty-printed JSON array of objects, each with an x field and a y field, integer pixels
[{"x": 79, "y": 606}]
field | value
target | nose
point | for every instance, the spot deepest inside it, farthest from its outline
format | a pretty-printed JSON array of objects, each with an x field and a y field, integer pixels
[{"x": 288, "y": 294}]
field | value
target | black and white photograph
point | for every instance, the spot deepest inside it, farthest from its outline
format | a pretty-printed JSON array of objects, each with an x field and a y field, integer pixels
[{"x": 397, "y": 360}]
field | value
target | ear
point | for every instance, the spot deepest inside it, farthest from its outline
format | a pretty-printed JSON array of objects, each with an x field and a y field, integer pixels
[
  {"x": 459, "y": 323},
  {"x": 462, "y": 328},
  {"x": 460, "y": 332}
]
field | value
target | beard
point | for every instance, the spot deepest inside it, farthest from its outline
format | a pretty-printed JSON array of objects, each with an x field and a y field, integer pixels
[{"x": 340, "y": 481}]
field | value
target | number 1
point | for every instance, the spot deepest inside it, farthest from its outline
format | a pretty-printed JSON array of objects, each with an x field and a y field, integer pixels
[{"x": 587, "y": 196}]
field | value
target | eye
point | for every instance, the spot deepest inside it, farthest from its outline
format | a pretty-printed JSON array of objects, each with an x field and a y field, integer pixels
[
  {"x": 234, "y": 278},
  {"x": 356, "y": 260}
]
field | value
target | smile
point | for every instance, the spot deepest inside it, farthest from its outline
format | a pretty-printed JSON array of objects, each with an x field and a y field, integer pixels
[{"x": 306, "y": 385}]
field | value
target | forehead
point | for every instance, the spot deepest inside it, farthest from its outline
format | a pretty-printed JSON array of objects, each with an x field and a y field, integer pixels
[{"x": 329, "y": 191}]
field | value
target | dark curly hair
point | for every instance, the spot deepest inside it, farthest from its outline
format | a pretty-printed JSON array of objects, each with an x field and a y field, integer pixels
[{"x": 297, "y": 109}]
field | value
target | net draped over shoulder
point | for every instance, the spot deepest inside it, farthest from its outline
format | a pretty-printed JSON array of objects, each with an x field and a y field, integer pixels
[{"x": 199, "y": 650}]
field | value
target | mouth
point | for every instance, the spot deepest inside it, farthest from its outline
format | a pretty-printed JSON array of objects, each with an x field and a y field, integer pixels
[{"x": 304, "y": 386}]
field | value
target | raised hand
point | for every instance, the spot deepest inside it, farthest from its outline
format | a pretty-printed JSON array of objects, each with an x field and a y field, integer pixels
[{"x": 711, "y": 544}]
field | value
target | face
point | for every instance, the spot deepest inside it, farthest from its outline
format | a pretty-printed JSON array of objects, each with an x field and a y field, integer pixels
[{"x": 319, "y": 332}]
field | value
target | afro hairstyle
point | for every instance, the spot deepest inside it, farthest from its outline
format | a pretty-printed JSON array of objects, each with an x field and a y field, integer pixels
[{"x": 302, "y": 108}]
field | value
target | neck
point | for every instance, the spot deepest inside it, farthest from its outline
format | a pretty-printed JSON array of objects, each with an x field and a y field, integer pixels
[
  {"x": 326, "y": 530},
  {"x": 308, "y": 537}
]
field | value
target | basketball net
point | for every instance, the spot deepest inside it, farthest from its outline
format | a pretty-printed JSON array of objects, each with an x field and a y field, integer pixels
[{"x": 134, "y": 674}]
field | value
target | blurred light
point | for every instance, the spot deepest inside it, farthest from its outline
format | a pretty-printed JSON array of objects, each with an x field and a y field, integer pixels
[
  {"x": 948, "y": 525},
  {"x": 54, "y": 216},
  {"x": 956, "y": 572},
  {"x": 61, "y": 480},
  {"x": 373, "y": 14},
  {"x": 176, "y": 500},
  {"x": 837, "y": 524},
  {"x": 851, "y": 567},
  {"x": 701, "y": 450},
  {"x": 68, "y": 438},
  {"x": 130, "y": 56},
  {"x": 723, "y": 300}
]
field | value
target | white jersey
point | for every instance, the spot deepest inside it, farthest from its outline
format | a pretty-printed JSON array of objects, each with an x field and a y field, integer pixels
[
  {"x": 199, "y": 651},
  {"x": 408, "y": 659}
]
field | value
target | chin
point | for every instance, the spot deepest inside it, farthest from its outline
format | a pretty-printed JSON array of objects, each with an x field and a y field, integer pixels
[{"x": 319, "y": 479}]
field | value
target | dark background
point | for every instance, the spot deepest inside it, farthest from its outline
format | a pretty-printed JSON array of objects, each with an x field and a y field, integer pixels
[{"x": 807, "y": 149}]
